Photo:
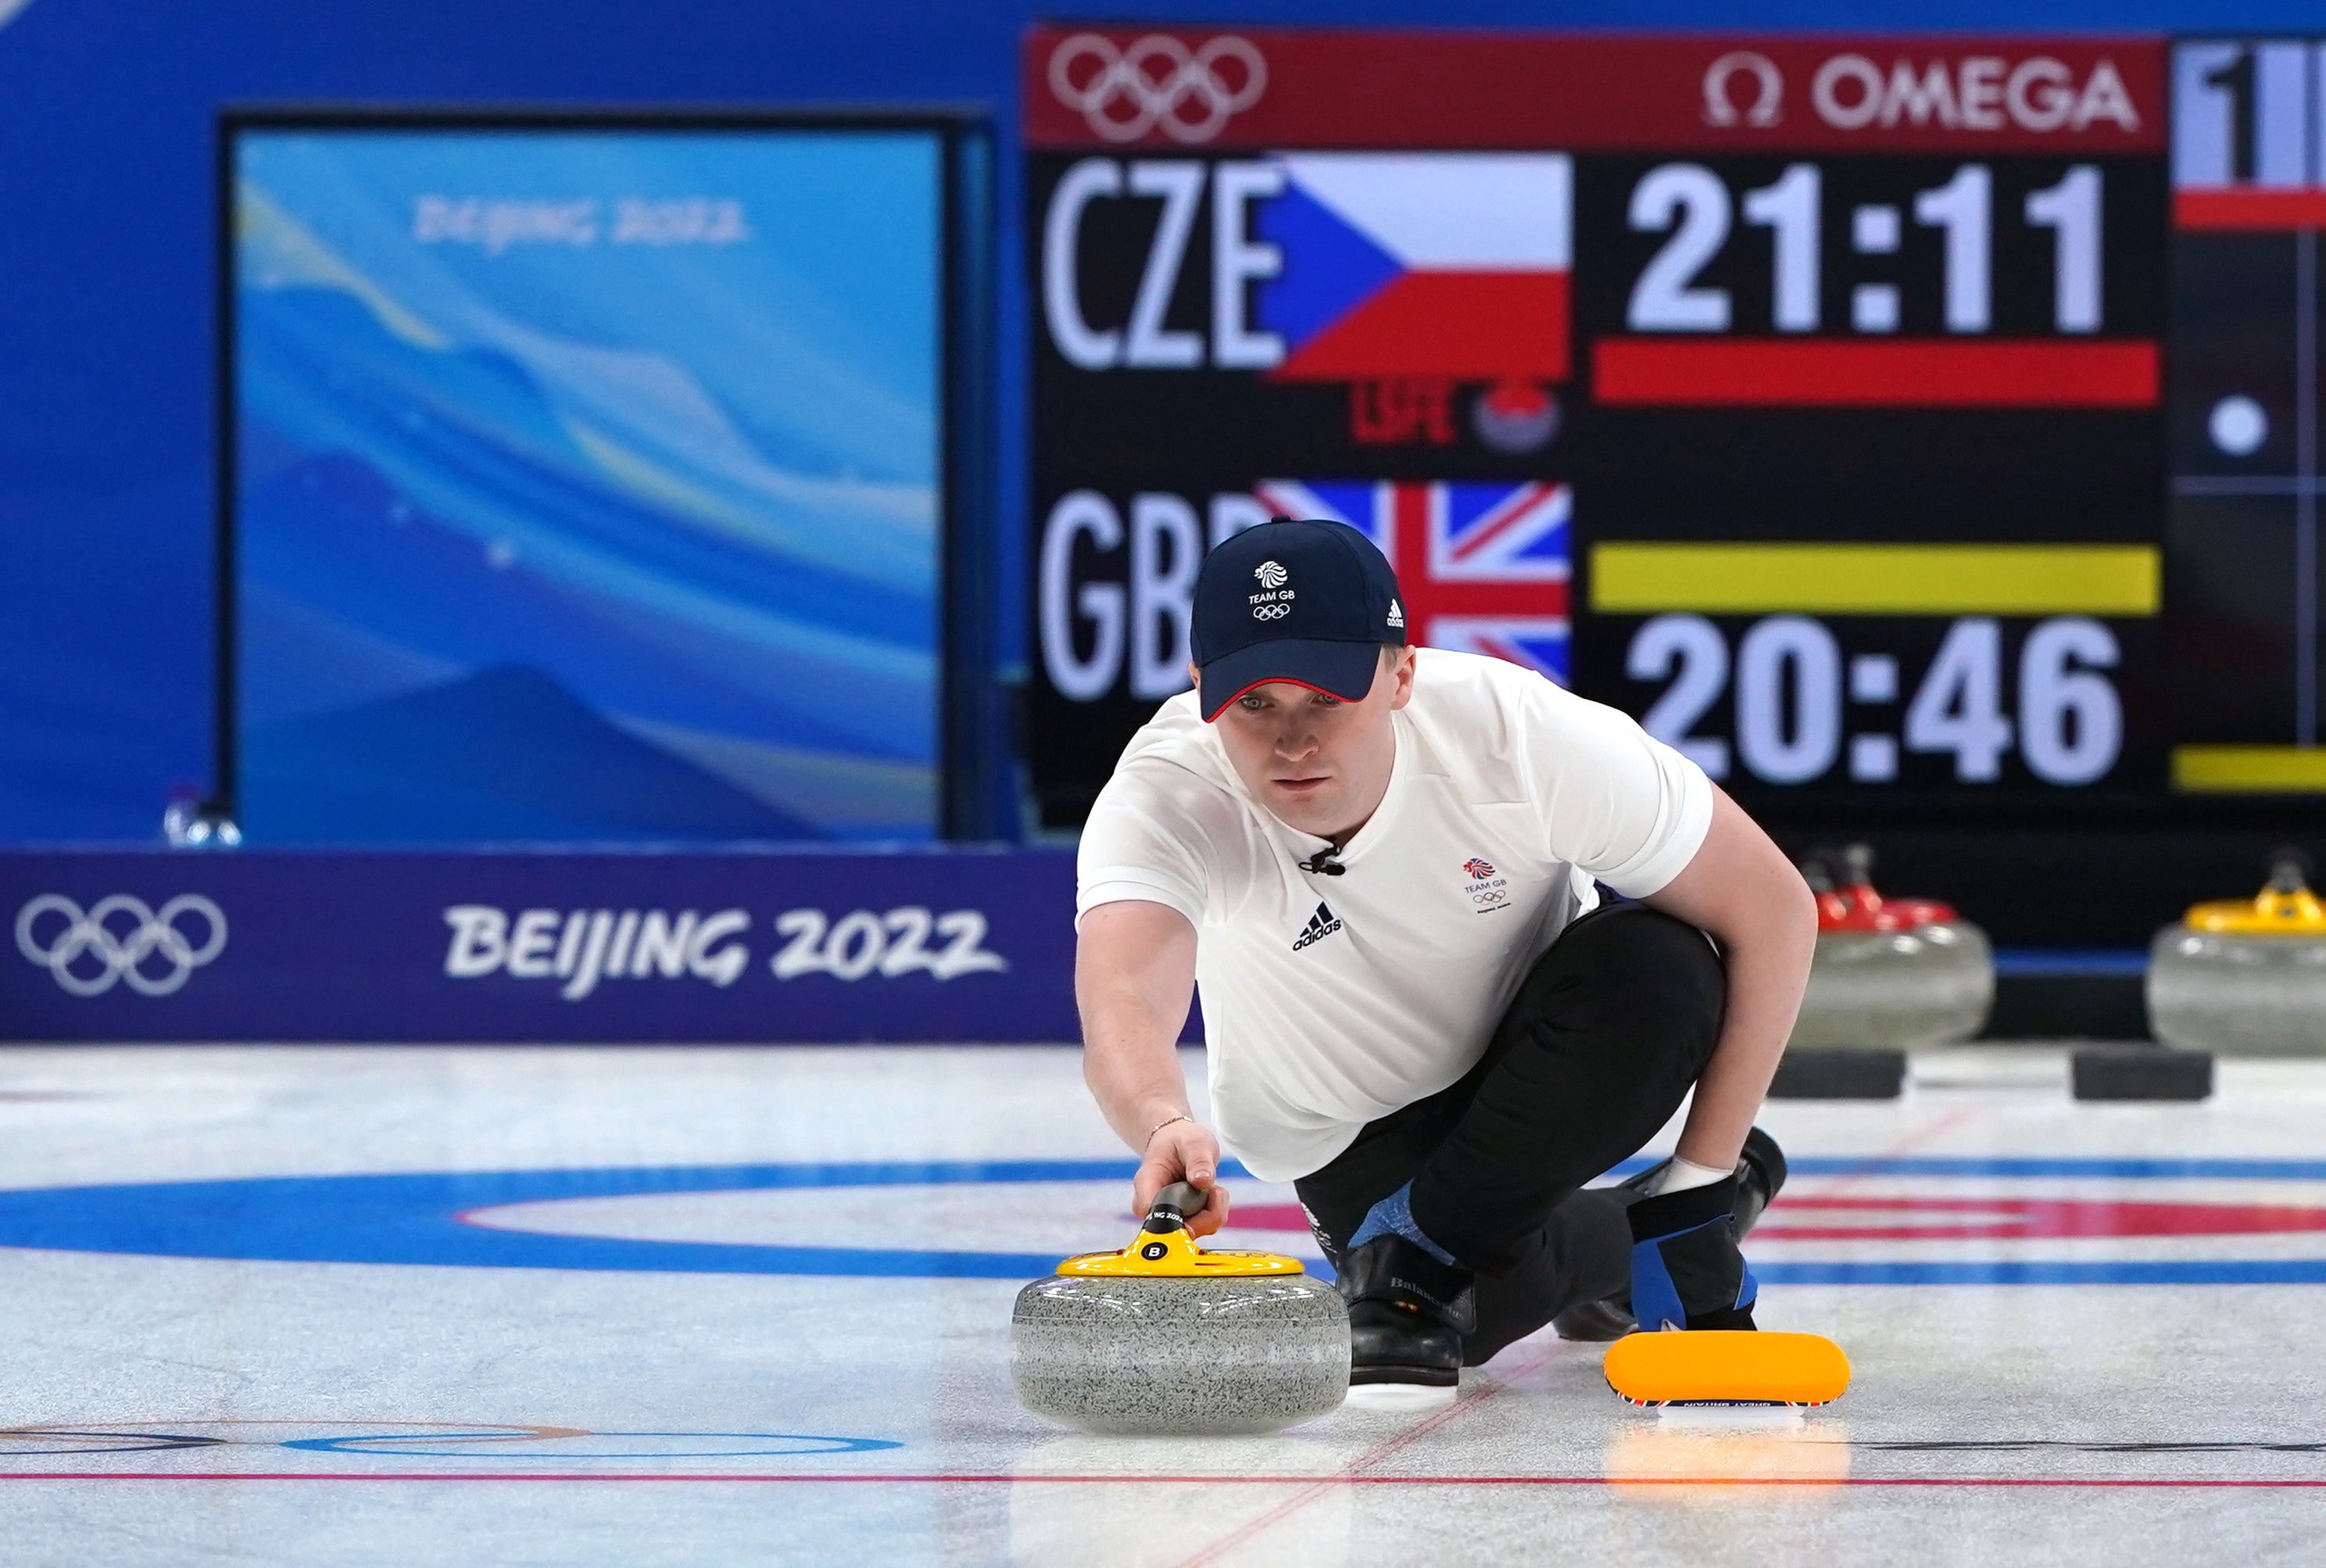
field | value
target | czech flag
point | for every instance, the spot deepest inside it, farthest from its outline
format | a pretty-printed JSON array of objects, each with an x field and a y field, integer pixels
[{"x": 1448, "y": 264}]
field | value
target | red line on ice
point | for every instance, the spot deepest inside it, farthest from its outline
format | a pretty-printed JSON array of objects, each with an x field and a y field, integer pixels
[
  {"x": 1796, "y": 1218},
  {"x": 1311, "y": 1482}
]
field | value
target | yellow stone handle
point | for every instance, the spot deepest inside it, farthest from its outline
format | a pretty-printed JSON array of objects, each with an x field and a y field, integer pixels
[{"x": 1163, "y": 1248}]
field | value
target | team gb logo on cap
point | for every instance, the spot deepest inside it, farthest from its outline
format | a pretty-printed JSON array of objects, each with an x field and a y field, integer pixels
[{"x": 1274, "y": 602}]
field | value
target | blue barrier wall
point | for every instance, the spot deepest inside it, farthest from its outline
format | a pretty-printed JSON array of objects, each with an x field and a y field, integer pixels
[
  {"x": 645, "y": 946},
  {"x": 106, "y": 405}
]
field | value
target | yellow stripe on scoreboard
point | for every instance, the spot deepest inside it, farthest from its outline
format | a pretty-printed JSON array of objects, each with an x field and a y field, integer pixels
[
  {"x": 1650, "y": 579},
  {"x": 2249, "y": 770}
]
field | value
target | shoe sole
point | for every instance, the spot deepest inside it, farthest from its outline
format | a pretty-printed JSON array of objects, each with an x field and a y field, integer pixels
[
  {"x": 1401, "y": 1398},
  {"x": 1405, "y": 1376}
]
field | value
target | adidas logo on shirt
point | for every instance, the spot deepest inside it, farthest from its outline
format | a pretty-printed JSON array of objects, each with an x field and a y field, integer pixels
[{"x": 1321, "y": 925}]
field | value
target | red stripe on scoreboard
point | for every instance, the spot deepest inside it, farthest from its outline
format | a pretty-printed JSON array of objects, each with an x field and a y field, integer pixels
[
  {"x": 2250, "y": 210},
  {"x": 2037, "y": 373}
]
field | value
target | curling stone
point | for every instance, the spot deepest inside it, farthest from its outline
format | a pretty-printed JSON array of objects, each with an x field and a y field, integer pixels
[
  {"x": 1166, "y": 1336},
  {"x": 1900, "y": 974},
  {"x": 2245, "y": 977}
]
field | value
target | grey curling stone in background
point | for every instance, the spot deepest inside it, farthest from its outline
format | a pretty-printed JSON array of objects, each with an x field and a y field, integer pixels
[
  {"x": 1901, "y": 976},
  {"x": 2245, "y": 977},
  {"x": 1166, "y": 1337},
  {"x": 1929, "y": 984}
]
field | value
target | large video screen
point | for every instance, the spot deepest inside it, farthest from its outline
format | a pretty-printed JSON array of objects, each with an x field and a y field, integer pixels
[
  {"x": 586, "y": 480},
  {"x": 1853, "y": 411},
  {"x": 2250, "y": 201}
]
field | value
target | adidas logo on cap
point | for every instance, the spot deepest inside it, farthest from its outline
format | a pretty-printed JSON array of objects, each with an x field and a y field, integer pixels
[{"x": 1321, "y": 925}]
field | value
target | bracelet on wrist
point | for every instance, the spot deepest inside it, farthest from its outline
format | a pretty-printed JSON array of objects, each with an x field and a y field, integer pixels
[{"x": 1182, "y": 1116}]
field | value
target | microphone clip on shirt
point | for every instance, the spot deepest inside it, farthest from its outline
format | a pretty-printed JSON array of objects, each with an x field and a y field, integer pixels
[{"x": 1322, "y": 863}]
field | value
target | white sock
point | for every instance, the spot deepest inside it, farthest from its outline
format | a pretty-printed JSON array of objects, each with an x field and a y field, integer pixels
[{"x": 1682, "y": 1174}]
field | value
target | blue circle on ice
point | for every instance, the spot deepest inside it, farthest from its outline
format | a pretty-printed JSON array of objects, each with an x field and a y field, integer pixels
[
  {"x": 415, "y": 1218},
  {"x": 623, "y": 1446},
  {"x": 2238, "y": 424}
]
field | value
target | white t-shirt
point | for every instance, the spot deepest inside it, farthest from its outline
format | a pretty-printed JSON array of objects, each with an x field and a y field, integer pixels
[{"x": 1329, "y": 1001}]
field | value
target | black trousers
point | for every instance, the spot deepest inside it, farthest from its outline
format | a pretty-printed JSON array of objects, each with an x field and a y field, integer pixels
[{"x": 1607, "y": 1033}]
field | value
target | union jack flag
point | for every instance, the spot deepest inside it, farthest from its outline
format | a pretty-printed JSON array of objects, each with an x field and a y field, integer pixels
[{"x": 1483, "y": 567}]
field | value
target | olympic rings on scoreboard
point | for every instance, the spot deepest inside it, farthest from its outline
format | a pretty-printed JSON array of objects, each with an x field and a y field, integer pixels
[
  {"x": 120, "y": 956},
  {"x": 1123, "y": 95}
]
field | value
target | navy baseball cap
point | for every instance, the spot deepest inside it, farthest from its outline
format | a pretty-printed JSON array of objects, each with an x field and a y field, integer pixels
[{"x": 1310, "y": 602}]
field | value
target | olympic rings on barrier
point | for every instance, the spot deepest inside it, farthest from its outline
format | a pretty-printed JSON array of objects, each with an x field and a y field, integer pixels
[
  {"x": 121, "y": 957},
  {"x": 1125, "y": 96}
]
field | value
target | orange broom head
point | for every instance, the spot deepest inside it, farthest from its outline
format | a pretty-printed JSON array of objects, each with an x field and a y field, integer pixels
[{"x": 1726, "y": 1366}]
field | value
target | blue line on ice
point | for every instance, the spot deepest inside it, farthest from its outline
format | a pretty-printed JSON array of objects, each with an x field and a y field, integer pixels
[{"x": 414, "y": 1218}]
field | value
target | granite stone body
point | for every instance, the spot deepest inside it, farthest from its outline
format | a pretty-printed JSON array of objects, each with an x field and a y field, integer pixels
[
  {"x": 1163, "y": 1355},
  {"x": 2238, "y": 994},
  {"x": 1927, "y": 984}
]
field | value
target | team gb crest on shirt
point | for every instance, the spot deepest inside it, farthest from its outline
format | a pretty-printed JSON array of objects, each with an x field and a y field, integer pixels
[{"x": 1488, "y": 889}]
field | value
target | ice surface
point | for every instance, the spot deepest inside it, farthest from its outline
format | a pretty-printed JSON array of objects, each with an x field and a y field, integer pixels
[{"x": 199, "y": 1410}]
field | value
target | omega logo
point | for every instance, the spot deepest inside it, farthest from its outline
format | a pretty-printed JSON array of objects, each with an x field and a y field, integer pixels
[{"x": 1768, "y": 102}]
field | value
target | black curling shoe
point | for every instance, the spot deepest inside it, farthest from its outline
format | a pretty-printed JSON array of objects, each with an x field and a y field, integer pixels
[
  {"x": 1760, "y": 1176},
  {"x": 1407, "y": 1314}
]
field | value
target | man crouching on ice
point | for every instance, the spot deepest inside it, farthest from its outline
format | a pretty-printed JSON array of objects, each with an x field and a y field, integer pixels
[{"x": 1379, "y": 863}]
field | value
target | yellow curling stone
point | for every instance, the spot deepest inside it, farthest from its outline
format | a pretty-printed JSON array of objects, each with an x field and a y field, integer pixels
[
  {"x": 2245, "y": 976},
  {"x": 1166, "y": 1337}
]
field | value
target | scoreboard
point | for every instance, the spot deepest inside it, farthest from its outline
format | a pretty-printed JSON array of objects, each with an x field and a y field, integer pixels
[
  {"x": 1814, "y": 400},
  {"x": 2242, "y": 578}
]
